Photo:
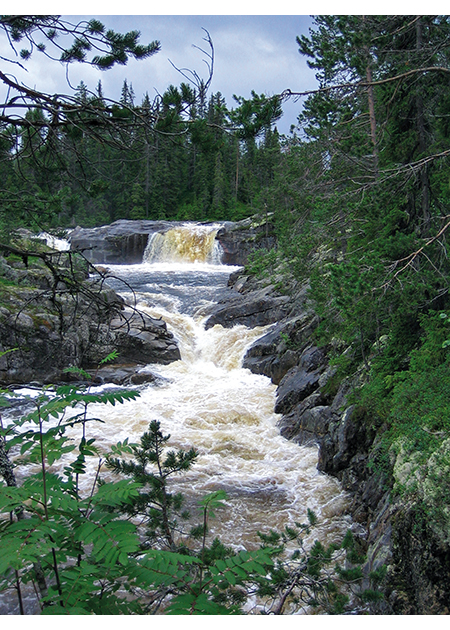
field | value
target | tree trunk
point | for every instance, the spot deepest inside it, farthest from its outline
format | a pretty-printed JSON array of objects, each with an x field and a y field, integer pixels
[
  {"x": 421, "y": 133},
  {"x": 373, "y": 122},
  {"x": 371, "y": 102}
]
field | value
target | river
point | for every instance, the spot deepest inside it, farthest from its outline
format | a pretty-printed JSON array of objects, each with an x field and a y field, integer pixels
[{"x": 208, "y": 401}]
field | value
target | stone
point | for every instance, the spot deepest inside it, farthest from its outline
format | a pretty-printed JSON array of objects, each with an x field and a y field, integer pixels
[
  {"x": 74, "y": 330},
  {"x": 124, "y": 241},
  {"x": 295, "y": 386},
  {"x": 256, "y": 309},
  {"x": 239, "y": 240},
  {"x": 307, "y": 423}
]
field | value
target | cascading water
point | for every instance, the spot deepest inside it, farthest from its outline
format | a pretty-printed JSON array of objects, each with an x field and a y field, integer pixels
[
  {"x": 207, "y": 401},
  {"x": 185, "y": 244}
]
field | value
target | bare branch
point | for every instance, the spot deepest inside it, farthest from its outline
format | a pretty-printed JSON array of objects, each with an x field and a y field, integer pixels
[
  {"x": 288, "y": 93},
  {"x": 408, "y": 260}
]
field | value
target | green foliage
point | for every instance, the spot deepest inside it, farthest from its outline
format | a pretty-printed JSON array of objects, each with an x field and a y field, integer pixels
[
  {"x": 262, "y": 262},
  {"x": 410, "y": 403},
  {"x": 414, "y": 401},
  {"x": 163, "y": 168}
]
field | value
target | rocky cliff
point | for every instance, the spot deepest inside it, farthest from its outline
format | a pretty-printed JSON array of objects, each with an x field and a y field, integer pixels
[
  {"x": 55, "y": 316},
  {"x": 121, "y": 242}
]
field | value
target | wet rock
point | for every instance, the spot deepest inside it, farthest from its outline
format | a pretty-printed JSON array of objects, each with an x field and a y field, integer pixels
[
  {"x": 120, "y": 242},
  {"x": 306, "y": 424},
  {"x": 258, "y": 308},
  {"x": 239, "y": 240},
  {"x": 295, "y": 386},
  {"x": 136, "y": 337},
  {"x": 124, "y": 241},
  {"x": 281, "y": 348},
  {"x": 125, "y": 375},
  {"x": 46, "y": 333}
]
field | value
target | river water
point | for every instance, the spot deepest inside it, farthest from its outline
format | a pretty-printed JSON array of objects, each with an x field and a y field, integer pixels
[{"x": 208, "y": 401}]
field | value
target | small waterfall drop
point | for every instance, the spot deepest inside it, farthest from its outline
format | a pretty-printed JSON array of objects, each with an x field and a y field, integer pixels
[
  {"x": 188, "y": 243},
  {"x": 59, "y": 244}
]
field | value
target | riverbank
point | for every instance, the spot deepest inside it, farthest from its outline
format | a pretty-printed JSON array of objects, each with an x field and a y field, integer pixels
[
  {"x": 57, "y": 312},
  {"x": 313, "y": 398}
]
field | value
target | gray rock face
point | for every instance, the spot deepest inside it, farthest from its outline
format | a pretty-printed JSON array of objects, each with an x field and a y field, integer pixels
[
  {"x": 256, "y": 309},
  {"x": 281, "y": 348},
  {"x": 121, "y": 242},
  {"x": 306, "y": 424},
  {"x": 239, "y": 240},
  {"x": 143, "y": 339},
  {"x": 295, "y": 386},
  {"x": 46, "y": 331}
]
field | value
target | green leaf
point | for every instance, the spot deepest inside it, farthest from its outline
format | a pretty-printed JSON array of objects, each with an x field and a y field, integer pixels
[
  {"x": 111, "y": 357},
  {"x": 230, "y": 577}
]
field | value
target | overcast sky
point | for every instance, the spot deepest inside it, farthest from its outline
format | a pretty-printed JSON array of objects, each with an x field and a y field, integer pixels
[{"x": 252, "y": 52}]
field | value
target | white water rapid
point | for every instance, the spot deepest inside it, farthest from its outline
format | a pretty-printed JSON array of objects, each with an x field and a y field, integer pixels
[{"x": 209, "y": 402}]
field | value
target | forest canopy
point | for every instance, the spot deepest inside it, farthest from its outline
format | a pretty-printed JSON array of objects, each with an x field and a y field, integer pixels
[{"x": 86, "y": 159}]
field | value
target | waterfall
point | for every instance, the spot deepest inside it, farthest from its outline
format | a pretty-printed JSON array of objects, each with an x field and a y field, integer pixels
[
  {"x": 59, "y": 244},
  {"x": 206, "y": 400},
  {"x": 185, "y": 243}
]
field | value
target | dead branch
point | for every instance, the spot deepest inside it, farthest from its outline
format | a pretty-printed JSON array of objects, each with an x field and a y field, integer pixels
[{"x": 408, "y": 260}]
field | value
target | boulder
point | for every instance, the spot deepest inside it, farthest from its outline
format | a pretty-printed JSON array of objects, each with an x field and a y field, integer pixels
[
  {"x": 120, "y": 242},
  {"x": 141, "y": 338},
  {"x": 128, "y": 375},
  {"x": 239, "y": 240},
  {"x": 45, "y": 330},
  {"x": 258, "y": 308},
  {"x": 307, "y": 423},
  {"x": 295, "y": 386}
]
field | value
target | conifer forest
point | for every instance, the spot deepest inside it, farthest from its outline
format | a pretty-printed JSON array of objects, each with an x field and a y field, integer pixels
[{"x": 354, "y": 204}]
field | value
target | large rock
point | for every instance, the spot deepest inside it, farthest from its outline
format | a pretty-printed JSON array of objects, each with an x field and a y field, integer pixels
[
  {"x": 295, "y": 386},
  {"x": 258, "y": 308},
  {"x": 120, "y": 242},
  {"x": 124, "y": 241},
  {"x": 143, "y": 339},
  {"x": 239, "y": 240},
  {"x": 307, "y": 423},
  {"x": 46, "y": 328},
  {"x": 281, "y": 348}
]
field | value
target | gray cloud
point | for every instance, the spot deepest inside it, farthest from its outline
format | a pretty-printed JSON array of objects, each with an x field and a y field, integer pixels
[{"x": 251, "y": 53}]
